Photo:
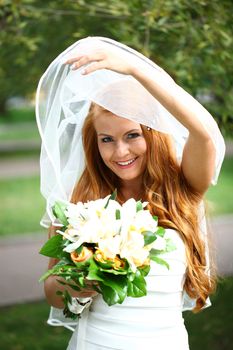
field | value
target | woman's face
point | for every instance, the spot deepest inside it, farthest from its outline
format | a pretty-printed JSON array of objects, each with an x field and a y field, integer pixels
[{"x": 122, "y": 146}]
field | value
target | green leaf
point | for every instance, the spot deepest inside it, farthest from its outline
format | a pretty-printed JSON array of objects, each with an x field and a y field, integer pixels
[
  {"x": 113, "y": 288},
  {"x": 160, "y": 231},
  {"x": 105, "y": 264},
  {"x": 109, "y": 294},
  {"x": 63, "y": 270},
  {"x": 53, "y": 247},
  {"x": 144, "y": 270},
  {"x": 170, "y": 246},
  {"x": 137, "y": 287},
  {"x": 118, "y": 214},
  {"x": 159, "y": 261},
  {"x": 114, "y": 272},
  {"x": 59, "y": 292},
  {"x": 94, "y": 274},
  {"x": 67, "y": 296},
  {"x": 65, "y": 242},
  {"x": 118, "y": 284},
  {"x": 155, "y": 217},
  {"x": 149, "y": 237},
  {"x": 73, "y": 286},
  {"x": 81, "y": 280},
  {"x": 58, "y": 211},
  {"x": 83, "y": 264},
  {"x": 156, "y": 252},
  {"x": 112, "y": 197},
  {"x": 46, "y": 275},
  {"x": 139, "y": 206},
  {"x": 79, "y": 249}
]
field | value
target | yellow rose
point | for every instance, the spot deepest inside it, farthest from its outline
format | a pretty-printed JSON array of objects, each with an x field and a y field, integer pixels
[
  {"x": 118, "y": 263},
  {"x": 115, "y": 263},
  {"x": 85, "y": 254}
]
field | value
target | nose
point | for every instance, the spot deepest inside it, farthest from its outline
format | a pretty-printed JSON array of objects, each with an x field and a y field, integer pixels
[{"x": 121, "y": 150}]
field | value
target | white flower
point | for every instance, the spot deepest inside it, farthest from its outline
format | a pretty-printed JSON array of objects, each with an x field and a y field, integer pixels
[
  {"x": 70, "y": 234},
  {"x": 129, "y": 209},
  {"x": 110, "y": 247},
  {"x": 143, "y": 221},
  {"x": 90, "y": 232},
  {"x": 91, "y": 222},
  {"x": 133, "y": 249},
  {"x": 75, "y": 214},
  {"x": 94, "y": 208}
]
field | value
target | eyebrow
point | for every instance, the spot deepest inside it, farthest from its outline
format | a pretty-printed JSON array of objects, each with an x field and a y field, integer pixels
[{"x": 127, "y": 132}]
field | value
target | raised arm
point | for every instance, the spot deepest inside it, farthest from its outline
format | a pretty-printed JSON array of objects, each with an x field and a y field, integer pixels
[{"x": 198, "y": 161}]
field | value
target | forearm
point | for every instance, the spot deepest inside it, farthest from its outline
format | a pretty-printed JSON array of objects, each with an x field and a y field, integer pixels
[
  {"x": 178, "y": 102},
  {"x": 198, "y": 159}
]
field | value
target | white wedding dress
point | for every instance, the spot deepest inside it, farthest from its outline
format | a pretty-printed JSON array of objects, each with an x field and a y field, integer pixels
[{"x": 151, "y": 322}]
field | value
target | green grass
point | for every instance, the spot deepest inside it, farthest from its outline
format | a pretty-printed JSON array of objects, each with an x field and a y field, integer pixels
[
  {"x": 23, "y": 327},
  {"x": 21, "y": 206},
  {"x": 14, "y": 115},
  {"x": 212, "y": 328},
  {"x": 20, "y": 131},
  {"x": 18, "y": 124},
  {"x": 23, "y": 153},
  {"x": 220, "y": 197}
]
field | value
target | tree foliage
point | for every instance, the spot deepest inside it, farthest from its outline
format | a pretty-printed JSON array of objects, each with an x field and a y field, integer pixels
[{"x": 192, "y": 40}]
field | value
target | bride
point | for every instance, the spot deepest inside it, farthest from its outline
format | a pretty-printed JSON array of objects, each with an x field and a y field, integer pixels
[{"x": 112, "y": 119}]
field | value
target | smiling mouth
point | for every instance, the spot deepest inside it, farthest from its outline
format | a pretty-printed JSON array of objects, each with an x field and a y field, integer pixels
[{"x": 127, "y": 162}]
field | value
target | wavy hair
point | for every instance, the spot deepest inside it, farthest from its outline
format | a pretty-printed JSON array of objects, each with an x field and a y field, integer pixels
[{"x": 170, "y": 198}]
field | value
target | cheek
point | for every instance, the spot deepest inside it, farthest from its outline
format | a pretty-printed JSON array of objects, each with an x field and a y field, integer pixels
[
  {"x": 104, "y": 152},
  {"x": 142, "y": 147}
]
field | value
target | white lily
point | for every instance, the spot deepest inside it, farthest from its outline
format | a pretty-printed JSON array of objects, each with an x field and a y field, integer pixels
[{"x": 110, "y": 246}]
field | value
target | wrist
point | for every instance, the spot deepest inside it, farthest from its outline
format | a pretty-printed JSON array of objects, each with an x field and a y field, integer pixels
[{"x": 77, "y": 305}]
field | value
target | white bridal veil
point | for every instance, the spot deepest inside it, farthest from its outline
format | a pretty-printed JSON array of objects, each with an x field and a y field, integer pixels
[{"x": 62, "y": 104}]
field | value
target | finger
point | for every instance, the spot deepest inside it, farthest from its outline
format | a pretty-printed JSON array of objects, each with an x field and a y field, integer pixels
[
  {"x": 79, "y": 61},
  {"x": 88, "y": 294},
  {"x": 93, "y": 67},
  {"x": 73, "y": 59}
]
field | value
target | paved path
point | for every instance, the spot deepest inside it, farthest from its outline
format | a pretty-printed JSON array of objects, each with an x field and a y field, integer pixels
[
  {"x": 20, "y": 268},
  {"x": 19, "y": 167},
  {"x": 21, "y": 265}
]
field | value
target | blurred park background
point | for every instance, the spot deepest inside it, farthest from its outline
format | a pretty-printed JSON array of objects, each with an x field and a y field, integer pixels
[{"x": 193, "y": 41}]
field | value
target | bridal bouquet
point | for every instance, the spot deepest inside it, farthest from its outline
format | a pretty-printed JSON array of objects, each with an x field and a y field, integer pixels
[{"x": 108, "y": 243}]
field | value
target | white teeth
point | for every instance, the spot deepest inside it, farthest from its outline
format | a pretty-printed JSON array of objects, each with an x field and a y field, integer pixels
[{"x": 126, "y": 163}]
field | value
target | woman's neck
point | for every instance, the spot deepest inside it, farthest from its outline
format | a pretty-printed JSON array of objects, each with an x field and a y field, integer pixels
[{"x": 131, "y": 189}]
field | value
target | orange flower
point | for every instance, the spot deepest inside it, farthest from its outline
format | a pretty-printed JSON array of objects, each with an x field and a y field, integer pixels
[
  {"x": 85, "y": 254},
  {"x": 115, "y": 263},
  {"x": 118, "y": 263}
]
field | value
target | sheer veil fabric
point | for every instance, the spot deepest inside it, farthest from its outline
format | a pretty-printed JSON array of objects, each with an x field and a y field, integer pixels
[{"x": 62, "y": 103}]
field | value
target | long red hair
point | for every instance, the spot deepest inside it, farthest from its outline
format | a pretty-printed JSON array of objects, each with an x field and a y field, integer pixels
[{"x": 169, "y": 195}]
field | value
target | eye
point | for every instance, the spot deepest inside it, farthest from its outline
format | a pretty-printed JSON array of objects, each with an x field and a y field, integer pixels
[
  {"x": 106, "y": 139},
  {"x": 133, "y": 135}
]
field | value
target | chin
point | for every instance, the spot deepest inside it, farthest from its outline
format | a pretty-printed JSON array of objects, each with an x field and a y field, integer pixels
[{"x": 129, "y": 177}]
